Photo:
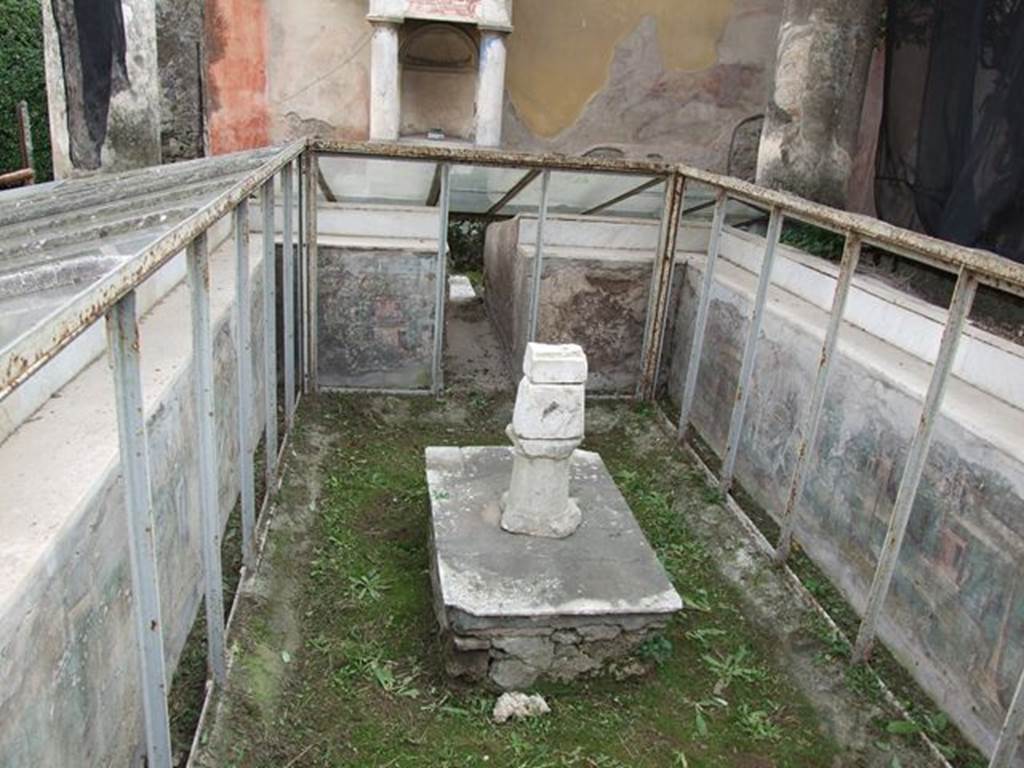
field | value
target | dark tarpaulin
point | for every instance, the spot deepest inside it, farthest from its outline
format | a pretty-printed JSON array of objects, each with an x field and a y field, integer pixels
[{"x": 951, "y": 149}]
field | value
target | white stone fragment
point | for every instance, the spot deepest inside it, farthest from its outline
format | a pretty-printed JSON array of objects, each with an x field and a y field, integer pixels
[
  {"x": 518, "y": 706},
  {"x": 548, "y": 411},
  {"x": 555, "y": 363}
]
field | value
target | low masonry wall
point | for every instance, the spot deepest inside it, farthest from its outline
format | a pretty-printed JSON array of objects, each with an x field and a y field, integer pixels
[
  {"x": 68, "y": 655},
  {"x": 376, "y": 273},
  {"x": 954, "y": 616},
  {"x": 594, "y": 288}
]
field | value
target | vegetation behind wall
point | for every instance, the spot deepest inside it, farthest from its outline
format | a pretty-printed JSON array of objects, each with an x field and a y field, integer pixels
[{"x": 21, "y": 62}]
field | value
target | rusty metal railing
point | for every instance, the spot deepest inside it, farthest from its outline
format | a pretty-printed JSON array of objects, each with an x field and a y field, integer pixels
[{"x": 113, "y": 297}]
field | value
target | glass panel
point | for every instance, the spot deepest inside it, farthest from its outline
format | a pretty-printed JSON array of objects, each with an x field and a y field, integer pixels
[
  {"x": 477, "y": 189},
  {"x": 361, "y": 180}
]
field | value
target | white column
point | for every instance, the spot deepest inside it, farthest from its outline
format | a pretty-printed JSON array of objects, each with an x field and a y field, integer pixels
[
  {"x": 490, "y": 88},
  {"x": 385, "y": 96}
]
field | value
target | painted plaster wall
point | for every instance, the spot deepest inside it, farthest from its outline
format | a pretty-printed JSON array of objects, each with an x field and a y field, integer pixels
[
  {"x": 594, "y": 290},
  {"x": 657, "y": 76},
  {"x": 955, "y": 615},
  {"x": 376, "y": 317},
  {"x": 652, "y": 77},
  {"x": 68, "y": 656}
]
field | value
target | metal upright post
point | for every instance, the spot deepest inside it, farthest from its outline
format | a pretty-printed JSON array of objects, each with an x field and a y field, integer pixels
[
  {"x": 739, "y": 408},
  {"x": 312, "y": 298},
  {"x": 441, "y": 276},
  {"x": 851, "y": 255},
  {"x": 701, "y": 321},
  {"x": 1010, "y": 733},
  {"x": 660, "y": 291},
  {"x": 243, "y": 360},
  {"x": 959, "y": 309},
  {"x": 123, "y": 345},
  {"x": 202, "y": 375},
  {"x": 538, "y": 258},
  {"x": 288, "y": 289},
  {"x": 269, "y": 334}
]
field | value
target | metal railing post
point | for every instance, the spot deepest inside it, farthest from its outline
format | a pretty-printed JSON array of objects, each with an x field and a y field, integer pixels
[
  {"x": 441, "y": 276},
  {"x": 243, "y": 359},
  {"x": 739, "y": 409},
  {"x": 848, "y": 266},
  {"x": 700, "y": 322},
  {"x": 959, "y": 309},
  {"x": 1010, "y": 733},
  {"x": 209, "y": 507},
  {"x": 538, "y": 258},
  {"x": 660, "y": 290},
  {"x": 269, "y": 334},
  {"x": 288, "y": 289},
  {"x": 123, "y": 346},
  {"x": 312, "y": 323}
]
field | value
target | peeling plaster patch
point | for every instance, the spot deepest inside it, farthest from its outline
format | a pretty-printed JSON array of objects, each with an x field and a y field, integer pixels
[{"x": 578, "y": 41}]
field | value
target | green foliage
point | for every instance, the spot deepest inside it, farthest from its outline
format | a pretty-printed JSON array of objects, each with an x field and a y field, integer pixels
[
  {"x": 814, "y": 240},
  {"x": 466, "y": 245},
  {"x": 21, "y": 62}
]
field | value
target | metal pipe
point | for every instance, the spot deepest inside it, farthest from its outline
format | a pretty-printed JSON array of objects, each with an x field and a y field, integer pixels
[
  {"x": 1010, "y": 733},
  {"x": 518, "y": 187},
  {"x": 123, "y": 346},
  {"x": 848, "y": 266},
  {"x": 243, "y": 359},
  {"x": 288, "y": 299},
  {"x": 660, "y": 290},
  {"x": 624, "y": 196},
  {"x": 312, "y": 285},
  {"x": 209, "y": 507},
  {"x": 959, "y": 309},
  {"x": 700, "y": 323},
  {"x": 441, "y": 278},
  {"x": 538, "y": 259},
  {"x": 739, "y": 409},
  {"x": 269, "y": 334}
]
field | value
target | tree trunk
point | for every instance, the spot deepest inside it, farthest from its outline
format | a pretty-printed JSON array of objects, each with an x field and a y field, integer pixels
[{"x": 811, "y": 123}]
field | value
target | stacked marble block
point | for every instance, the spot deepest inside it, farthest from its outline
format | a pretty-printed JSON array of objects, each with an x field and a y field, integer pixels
[{"x": 539, "y": 568}]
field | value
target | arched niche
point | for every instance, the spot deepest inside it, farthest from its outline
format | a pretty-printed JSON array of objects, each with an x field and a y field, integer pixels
[{"x": 439, "y": 73}]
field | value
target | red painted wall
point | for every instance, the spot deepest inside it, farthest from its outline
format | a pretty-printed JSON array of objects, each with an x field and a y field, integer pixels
[{"x": 236, "y": 71}]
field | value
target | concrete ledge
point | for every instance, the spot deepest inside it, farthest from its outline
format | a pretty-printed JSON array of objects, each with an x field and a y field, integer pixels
[{"x": 68, "y": 654}]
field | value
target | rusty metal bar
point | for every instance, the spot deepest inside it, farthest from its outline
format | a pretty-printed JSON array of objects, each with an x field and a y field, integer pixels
[
  {"x": 700, "y": 322},
  {"x": 1010, "y": 733},
  {"x": 288, "y": 298},
  {"x": 123, "y": 346},
  {"x": 441, "y": 278},
  {"x": 434, "y": 193},
  {"x": 624, "y": 196},
  {"x": 26, "y": 355},
  {"x": 311, "y": 284},
  {"x": 269, "y": 335},
  {"x": 848, "y": 266},
  {"x": 739, "y": 409},
  {"x": 660, "y": 290},
  {"x": 206, "y": 428},
  {"x": 324, "y": 187},
  {"x": 17, "y": 178},
  {"x": 518, "y": 187},
  {"x": 538, "y": 259},
  {"x": 959, "y": 309},
  {"x": 988, "y": 267},
  {"x": 243, "y": 360}
]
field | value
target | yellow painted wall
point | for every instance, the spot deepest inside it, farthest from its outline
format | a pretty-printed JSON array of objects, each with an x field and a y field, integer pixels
[{"x": 561, "y": 50}]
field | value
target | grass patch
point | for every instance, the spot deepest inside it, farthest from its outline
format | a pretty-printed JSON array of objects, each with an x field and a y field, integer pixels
[{"x": 363, "y": 684}]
